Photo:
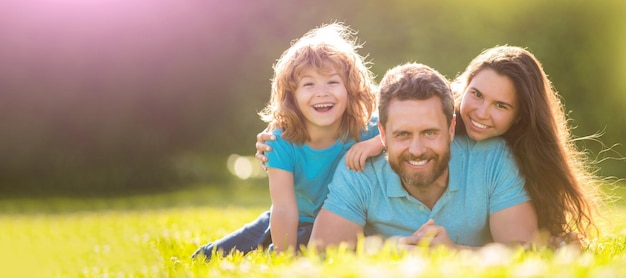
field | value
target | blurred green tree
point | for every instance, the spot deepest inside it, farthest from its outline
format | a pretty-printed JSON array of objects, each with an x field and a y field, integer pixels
[{"x": 101, "y": 100}]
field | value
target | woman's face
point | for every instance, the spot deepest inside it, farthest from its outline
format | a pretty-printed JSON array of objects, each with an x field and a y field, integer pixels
[{"x": 489, "y": 106}]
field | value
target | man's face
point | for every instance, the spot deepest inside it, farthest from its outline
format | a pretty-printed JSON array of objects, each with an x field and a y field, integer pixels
[{"x": 417, "y": 139}]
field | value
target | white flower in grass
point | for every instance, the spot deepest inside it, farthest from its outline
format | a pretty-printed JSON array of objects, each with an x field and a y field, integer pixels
[
  {"x": 531, "y": 268},
  {"x": 413, "y": 266},
  {"x": 567, "y": 254},
  {"x": 495, "y": 254}
]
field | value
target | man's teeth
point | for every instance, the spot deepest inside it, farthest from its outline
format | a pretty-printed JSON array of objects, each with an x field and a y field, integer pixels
[
  {"x": 418, "y": 163},
  {"x": 479, "y": 125}
]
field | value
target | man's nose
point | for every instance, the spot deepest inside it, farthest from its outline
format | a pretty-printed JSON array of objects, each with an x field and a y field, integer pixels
[{"x": 417, "y": 146}]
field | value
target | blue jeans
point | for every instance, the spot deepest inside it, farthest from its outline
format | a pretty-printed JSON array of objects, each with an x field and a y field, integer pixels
[{"x": 250, "y": 237}]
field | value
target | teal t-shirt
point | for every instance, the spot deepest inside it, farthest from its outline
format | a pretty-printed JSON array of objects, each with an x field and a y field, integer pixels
[
  {"x": 312, "y": 169},
  {"x": 483, "y": 179}
]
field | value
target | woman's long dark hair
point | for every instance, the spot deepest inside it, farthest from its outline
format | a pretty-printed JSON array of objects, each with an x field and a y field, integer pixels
[{"x": 558, "y": 180}]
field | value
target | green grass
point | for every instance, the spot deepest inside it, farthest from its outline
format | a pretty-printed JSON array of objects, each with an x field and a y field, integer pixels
[{"x": 153, "y": 236}]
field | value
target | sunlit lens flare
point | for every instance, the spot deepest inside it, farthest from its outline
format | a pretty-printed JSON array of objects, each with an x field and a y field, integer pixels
[{"x": 244, "y": 167}]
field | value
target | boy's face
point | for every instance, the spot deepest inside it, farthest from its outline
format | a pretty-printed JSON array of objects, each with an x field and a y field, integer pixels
[
  {"x": 322, "y": 98},
  {"x": 417, "y": 139}
]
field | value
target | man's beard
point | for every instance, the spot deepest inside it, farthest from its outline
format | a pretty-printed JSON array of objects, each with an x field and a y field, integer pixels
[{"x": 422, "y": 179}]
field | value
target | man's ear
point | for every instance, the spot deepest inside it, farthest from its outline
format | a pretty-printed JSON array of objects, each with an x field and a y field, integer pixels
[
  {"x": 381, "y": 130},
  {"x": 452, "y": 127}
]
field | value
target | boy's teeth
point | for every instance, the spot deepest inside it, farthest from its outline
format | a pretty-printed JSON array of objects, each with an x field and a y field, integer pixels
[{"x": 322, "y": 105}]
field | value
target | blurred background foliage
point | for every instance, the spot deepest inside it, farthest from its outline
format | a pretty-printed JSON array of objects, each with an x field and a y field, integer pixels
[{"x": 112, "y": 97}]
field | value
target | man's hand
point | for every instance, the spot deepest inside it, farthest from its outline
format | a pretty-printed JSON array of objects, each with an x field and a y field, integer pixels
[{"x": 428, "y": 235}]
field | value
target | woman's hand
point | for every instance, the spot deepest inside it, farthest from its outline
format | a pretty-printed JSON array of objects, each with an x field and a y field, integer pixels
[
  {"x": 570, "y": 239},
  {"x": 261, "y": 147},
  {"x": 361, "y": 151}
]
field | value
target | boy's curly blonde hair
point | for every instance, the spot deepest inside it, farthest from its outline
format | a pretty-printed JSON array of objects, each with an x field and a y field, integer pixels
[{"x": 326, "y": 48}]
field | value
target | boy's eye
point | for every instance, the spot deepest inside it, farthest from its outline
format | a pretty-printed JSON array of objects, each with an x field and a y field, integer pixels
[
  {"x": 476, "y": 94},
  {"x": 307, "y": 84}
]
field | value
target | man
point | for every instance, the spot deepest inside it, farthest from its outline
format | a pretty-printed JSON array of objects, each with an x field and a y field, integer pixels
[{"x": 417, "y": 189}]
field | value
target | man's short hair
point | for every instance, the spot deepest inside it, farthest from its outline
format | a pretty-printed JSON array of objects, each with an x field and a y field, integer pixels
[{"x": 413, "y": 81}]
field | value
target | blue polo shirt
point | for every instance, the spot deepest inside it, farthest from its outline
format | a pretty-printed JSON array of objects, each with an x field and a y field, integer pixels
[
  {"x": 483, "y": 179},
  {"x": 312, "y": 169}
]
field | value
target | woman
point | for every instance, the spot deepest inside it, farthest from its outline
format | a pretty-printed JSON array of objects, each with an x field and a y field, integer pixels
[{"x": 505, "y": 92}]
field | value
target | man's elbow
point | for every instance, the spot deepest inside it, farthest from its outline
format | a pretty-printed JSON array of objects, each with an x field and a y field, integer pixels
[
  {"x": 322, "y": 241},
  {"x": 331, "y": 230}
]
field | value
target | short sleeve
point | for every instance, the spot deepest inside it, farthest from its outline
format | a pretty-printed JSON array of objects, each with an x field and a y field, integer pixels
[
  {"x": 508, "y": 185},
  {"x": 347, "y": 194},
  {"x": 282, "y": 155}
]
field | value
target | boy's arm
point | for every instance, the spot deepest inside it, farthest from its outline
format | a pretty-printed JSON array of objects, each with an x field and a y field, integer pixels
[
  {"x": 284, "y": 216},
  {"x": 361, "y": 151},
  {"x": 331, "y": 229}
]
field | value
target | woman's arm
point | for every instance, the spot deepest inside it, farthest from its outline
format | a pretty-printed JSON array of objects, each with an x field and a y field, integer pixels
[
  {"x": 515, "y": 225},
  {"x": 284, "y": 216}
]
